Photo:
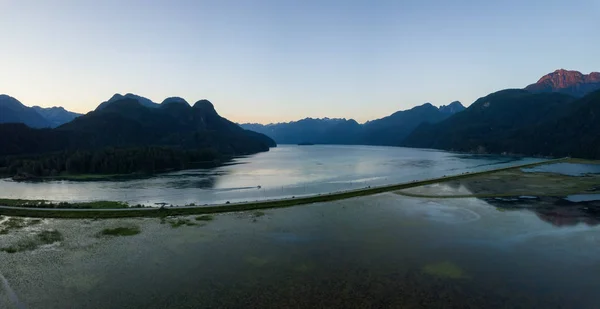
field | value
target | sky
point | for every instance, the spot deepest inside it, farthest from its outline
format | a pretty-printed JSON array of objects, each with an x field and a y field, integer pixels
[{"x": 282, "y": 60}]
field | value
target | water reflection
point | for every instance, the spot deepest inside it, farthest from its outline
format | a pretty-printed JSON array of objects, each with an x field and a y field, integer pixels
[
  {"x": 282, "y": 172},
  {"x": 569, "y": 169},
  {"x": 382, "y": 251},
  {"x": 554, "y": 210}
]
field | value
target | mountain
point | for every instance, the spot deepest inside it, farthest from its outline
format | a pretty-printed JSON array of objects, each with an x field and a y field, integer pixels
[
  {"x": 12, "y": 111},
  {"x": 576, "y": 133},
  {"x": 117, "y": 96},
  {"x": 452, "y": 108},
  {"x": 389, "y": 131},
  {"x": 170, "y": 100},
  {"x": 317, "y": 131},
  {"x": 491, "y": 119},
  {"x": 573, "y": 83},
  {"x": 56, "y": 116},
  {"x": 128, "y": 123}
]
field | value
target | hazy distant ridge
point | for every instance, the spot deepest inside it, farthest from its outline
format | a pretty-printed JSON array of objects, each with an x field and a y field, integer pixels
[{"x": 388, "y": 131}]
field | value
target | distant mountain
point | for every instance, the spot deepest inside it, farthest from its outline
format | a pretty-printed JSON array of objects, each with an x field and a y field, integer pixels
[
  {"x": 489, "y": 120},
  {"x": 391, "y": 130},
  {"x": 310, "y": 130},
  {"x": 117, "y": 96},
  {"x": 452, "y": 108},
  {"x": 13, "y": 111},
  {"x": 173, "y": 100},
  {"x": 573, "y": 83},
  {"x": 56, "y": 115},
  {"x": 128, "y": 123},
  {"x": 388, "y": 131}
]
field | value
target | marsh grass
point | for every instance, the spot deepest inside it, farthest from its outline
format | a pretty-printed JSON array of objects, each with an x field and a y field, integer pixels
[
  {"x": 205, "y": 218},
  {"x": 24, "y": 245},
  {"x": 444, "y": 270},
  {"x": 121, "y": 231},
  {"x": 256, "y": 261},
  {"x": 49, "y": 237},
  {"x": 29, "y": 244},
  {"x": 176, "y": 223},
  {"x": 16, "y": 223}
]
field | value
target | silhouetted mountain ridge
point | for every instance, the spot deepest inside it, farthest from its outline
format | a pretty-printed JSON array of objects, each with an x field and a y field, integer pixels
[
  {"x": 127, "y": 123},
  {"x": 56, "y": 115},
  {"x": 13, "y": 111},
  {"x": 452, "y": 108},
  {"x": 117, "y": 97},
  {"x": 518, "y": 122},
  {"x": 389, "y": 131}
]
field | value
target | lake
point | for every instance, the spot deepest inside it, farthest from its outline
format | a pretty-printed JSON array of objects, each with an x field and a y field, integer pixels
[
  {"x": 283, "y": 172},
  {"x": 381, "y": 251}
]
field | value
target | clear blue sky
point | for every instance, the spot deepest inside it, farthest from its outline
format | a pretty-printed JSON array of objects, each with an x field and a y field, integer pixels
[{"x": 281, "y": 60}]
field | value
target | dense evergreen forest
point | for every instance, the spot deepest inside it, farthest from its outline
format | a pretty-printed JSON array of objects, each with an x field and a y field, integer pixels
[
  {"x": 519, "y": 122},
  {"x": 110, "y": 161}
]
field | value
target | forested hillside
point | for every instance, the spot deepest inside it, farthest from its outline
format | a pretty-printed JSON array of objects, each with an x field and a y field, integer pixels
[{"x": 125, "y": 136}]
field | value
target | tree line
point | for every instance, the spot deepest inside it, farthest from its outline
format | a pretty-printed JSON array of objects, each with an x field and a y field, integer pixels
[{"x": 148, "y": 160}]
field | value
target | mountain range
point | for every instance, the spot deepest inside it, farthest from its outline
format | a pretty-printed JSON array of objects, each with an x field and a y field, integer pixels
[
  {"x": 13, "y": 111},
  {"x": 496, "y": 123},
  {"x": 56, "y": 115},
  {"x": 126, "y": 122},
  {"x": 552, "y": 117},
  {"x": 387, "y": 131},
  {"x": 126, "y": 137}
]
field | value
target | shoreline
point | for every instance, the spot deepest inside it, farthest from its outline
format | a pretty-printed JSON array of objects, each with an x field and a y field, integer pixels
[{"x": 235, "y": 207}]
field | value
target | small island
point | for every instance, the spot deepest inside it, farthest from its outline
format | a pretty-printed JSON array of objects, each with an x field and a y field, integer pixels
[{"x": 305, "y": 144}]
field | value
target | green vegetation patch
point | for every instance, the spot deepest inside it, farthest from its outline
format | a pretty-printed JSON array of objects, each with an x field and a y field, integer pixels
[
  {"x": 303, "y": 267},
  {"x": 256, "y": 261},
  {"x": 16, "y": 223},
  {"x": 66, "y": 205},
  {"x": 205, "y": 218},
  {"x": 444, "y": 270},
  {"x": 178, "y": 222},
  {"x": 24, "y": 245},
  {"x": 121, "y": 231},
  {"x": 258, "y": 214},
  {"x": 49, "y": 237},
  {"x": 30, "y": 244}
]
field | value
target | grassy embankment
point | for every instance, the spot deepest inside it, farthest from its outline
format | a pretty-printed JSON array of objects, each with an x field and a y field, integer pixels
[{"x": 181, "y": 211}]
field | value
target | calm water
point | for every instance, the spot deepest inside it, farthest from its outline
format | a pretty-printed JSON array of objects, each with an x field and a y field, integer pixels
[
  {"x": 569, "y": 169},
  {"x": 383, "y": 251},
  {"x": 583, "y": 197},
  {"x": 283, "y": 172}
]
